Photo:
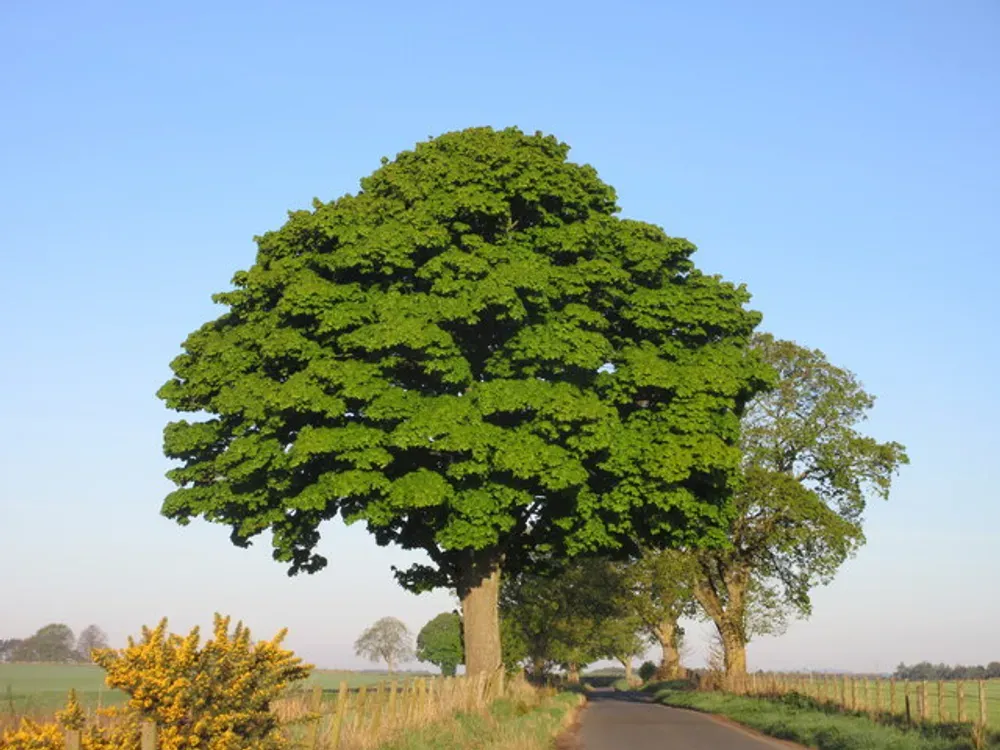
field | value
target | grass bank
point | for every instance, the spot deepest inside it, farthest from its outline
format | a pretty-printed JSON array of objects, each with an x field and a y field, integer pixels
[
  {"x": 508, "y": 725},
  {"x": 799, "y": 719}
]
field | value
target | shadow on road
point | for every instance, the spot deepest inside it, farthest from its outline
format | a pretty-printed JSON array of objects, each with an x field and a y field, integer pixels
[{"x": 607, "y": 694}]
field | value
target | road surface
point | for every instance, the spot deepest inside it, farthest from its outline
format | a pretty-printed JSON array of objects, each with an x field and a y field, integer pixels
[{"x": 630, "y": 721}]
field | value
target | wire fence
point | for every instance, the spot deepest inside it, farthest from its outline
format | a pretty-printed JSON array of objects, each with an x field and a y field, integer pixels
[{"x": 974, "y": 702}]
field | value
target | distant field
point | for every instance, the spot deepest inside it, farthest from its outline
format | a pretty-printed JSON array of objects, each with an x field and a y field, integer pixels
[{"x": 40, "y": 689}]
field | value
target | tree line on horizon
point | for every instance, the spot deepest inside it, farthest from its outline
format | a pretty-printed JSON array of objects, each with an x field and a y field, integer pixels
[
  {"x": 927, "y": 671},
  {"x": 477, "y": 357},
  {"x": 54, "y": 643}
]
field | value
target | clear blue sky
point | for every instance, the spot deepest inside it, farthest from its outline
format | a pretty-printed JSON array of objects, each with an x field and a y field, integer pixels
[{"x": 841, "y": 158}]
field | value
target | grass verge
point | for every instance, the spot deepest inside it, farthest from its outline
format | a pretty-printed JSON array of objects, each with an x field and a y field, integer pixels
[
  {"x": 799, "y": 719},
  {"x": 509, "y": 725}
]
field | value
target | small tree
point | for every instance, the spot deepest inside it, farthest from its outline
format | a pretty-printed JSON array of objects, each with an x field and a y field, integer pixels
[
  {"x": 439, "y": 642},
  {"x": 91, "y": 639},
  {"x": 8, "y": 647},
  {"x": 647, "y": 671},
  {"x": 387, "y": 640}
]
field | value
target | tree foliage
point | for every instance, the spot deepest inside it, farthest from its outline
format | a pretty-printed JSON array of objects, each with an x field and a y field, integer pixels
[
  {"x": 387, "y": 640},
  {"x": 660, "y": 584},
  {"x": 476, "y": 357},
  {"x": 576, "y": 613},
  {"x": 927, "y": 671},
  {"x": 808, "y": 473},
  {"x": 8, "y": 647},
  {"x": 51, "y": 643},
  {"x": 439, "y": 642},
  {"x": 91, "y": 638}
]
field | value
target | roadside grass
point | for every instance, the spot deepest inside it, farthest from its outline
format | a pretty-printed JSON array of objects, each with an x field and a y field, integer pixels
[
  {"x": 800, "y": 719},
  {"x": 508, "y": 725}
]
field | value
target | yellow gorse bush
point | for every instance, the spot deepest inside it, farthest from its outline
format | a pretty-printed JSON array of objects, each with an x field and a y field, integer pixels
[{"x": 215, "y": 696}]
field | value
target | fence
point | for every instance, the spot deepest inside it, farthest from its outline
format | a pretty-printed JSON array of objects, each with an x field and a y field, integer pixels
[
  {"x": 367, "y": 717},
  {"x": 926, "y": 701}
]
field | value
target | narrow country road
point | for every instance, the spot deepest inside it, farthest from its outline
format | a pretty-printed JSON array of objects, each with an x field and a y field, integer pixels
[{"x": 630, "y": 721}]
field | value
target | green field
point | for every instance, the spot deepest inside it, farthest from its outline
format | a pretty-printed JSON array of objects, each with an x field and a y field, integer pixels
[
  {"x": 939, "y": 710},
  {"x": 40, "y": 689}
]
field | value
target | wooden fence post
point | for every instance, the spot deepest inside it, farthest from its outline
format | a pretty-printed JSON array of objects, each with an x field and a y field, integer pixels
[
  {"x": 359, "y": 709},
  {"x": 892, "y": 695},
  {"x": 316, "y": 707},
  {"x": 961, "y": 702},
  {"x": 72, "y": 739},
  {"x": 878, "y": 697},
  {"x": 843, "y": 691},
  {"x": 940, "y": 702},
  {"x": 377, "y": 718},
  {"x": 906, "y": 695},
  {"x": 343, "y": 695},
  {"x": 982, "y": 704},
  {"x": 854, "y": 693},
  {"x": 925, "y": 710},
  {"x": 390, "y": 712},
  {"x": 148, "y": 736}
]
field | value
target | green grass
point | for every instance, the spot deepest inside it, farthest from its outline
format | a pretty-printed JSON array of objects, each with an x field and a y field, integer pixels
[
  {"x": 800, "y": 719},
  {"x": 40, "y": 689},
  {"x": 508, "y": 725}
]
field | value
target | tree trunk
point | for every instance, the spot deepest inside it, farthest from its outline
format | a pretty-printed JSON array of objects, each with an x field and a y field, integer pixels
[
  {"x": 627, "y": 663},
  {"x": 729, "y": 616},
  {"x": 480, "y": 592},
  {"x": 538, "y": 668},
  {"x": 573, "y": 674},
  {"x": 735, "y": 650},
  {"x": 670, "y": 662}
]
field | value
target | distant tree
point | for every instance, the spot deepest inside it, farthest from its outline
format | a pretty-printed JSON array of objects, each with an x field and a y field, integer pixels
[
  {"x": 52, "y": 643},
  {"x": 92, "y": 637},
  {"x": 574, "y": 614},
  {"x": 993, "y": 670},
  {"x": 808, "y": 472},
  {"x": 661, "y": 584},
  {"x": 8, "y": 646},
  {"x": 439, "y": 642},
  {"x": 387, "y": 640},
  {"x": 474, "y": 355}
]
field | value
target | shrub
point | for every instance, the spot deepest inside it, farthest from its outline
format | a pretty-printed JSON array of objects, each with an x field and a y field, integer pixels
[
  {"x": 647, "y": 671},
  {"x": 214, "y": 697}
]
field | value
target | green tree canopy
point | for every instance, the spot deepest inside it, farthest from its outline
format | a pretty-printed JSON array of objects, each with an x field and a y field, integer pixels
[
  {"x": 439, "y": 642},
  {"x": 808, "y": 473},
  {"x": 476, "y": 357},
  {"x": 661, "y": 587},
  {"x": 577, "y": 612}
]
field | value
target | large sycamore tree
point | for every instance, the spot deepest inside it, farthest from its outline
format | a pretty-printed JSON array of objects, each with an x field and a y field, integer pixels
[
  {"x": 809, "y": 471},
  {"x": 475, "y": 356}
]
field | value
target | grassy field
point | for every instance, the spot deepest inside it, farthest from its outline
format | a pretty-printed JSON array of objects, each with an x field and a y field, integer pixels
[
  {"x": 800, "y": 720},
  {"x": 941, "y": 709},
  {"x": 40, "y": 689}
]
